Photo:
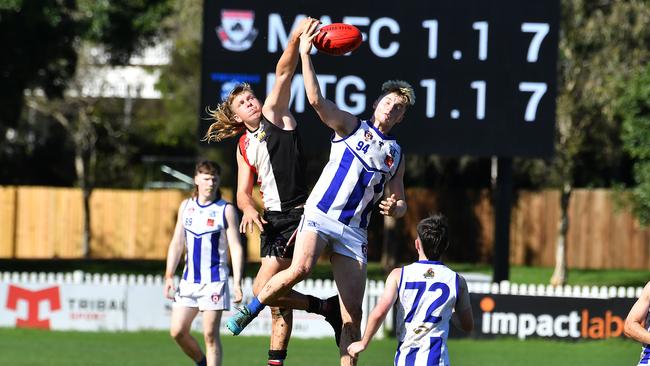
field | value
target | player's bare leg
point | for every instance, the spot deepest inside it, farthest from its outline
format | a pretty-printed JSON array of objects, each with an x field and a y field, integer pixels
[
  {"x": 281, "y": 318},
  {"x": 213, "y": 350},
  {"x": 350, "y": 277},
  {"x": 308, "y": 248},
  {"x": 180, "y": 331}
]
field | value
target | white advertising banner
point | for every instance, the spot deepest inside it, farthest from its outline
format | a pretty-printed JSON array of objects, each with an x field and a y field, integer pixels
[{"x": 63, "y": 307}]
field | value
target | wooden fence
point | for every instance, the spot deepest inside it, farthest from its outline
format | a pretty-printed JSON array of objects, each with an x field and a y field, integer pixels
[{"x": 45, "y": 222}]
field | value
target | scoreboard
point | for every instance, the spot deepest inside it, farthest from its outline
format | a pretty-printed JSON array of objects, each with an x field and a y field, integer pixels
[{"x": 484, "y": 71}]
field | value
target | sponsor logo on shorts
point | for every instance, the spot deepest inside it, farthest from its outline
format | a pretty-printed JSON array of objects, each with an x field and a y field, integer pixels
[{"x": 215, "y": 298}]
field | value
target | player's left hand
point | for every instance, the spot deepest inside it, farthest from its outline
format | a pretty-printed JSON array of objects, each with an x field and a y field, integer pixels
[
  {"x": 238, "y": 294},
  {"x": 355, "y": 348},
  {"x": 387, "y": 207}
]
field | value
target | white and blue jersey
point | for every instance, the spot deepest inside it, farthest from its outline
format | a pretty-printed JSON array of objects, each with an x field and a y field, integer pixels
[
  {"x": 426, "y": 297},
  {"x": 206, "y": 258},
  {"x": 353, "y": 180}
]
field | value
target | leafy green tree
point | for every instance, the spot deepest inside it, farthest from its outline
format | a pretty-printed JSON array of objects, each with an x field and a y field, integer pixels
[
  {"x": 47, "y": 56},
  {"x": 634, "y": 109},
  {"x": 602, "y": 45}
]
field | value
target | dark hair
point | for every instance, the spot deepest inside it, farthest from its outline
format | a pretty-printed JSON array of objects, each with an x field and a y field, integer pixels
[
  {"x": 433, "y": 234},
  {"x": 207, "y": 167}
]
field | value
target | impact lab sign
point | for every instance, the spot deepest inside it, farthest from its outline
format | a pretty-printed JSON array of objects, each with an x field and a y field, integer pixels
[{"x": 548, "y": 317}]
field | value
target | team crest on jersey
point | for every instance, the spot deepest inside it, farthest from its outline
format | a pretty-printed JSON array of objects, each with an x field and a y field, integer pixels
[
  {"x": 212, "y": 214},
  {"x": 389, "y": 161},
  {"x": 210, "y": 222},
  {"x": 236, "y": 31},
  {"x": 215, "y": 297},
  {"x": 367, "y": 135},
  {"x": 429, "y": 273}
]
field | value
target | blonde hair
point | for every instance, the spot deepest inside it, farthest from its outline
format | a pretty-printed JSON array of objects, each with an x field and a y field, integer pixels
[
  {"x": 401, "y": 88},
  {"x": 225, "y": 125}
]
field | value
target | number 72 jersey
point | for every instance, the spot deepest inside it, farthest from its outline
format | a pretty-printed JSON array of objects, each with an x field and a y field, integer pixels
[{"x": 426, "y": 298}]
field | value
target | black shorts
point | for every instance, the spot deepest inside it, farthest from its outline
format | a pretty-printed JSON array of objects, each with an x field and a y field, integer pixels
[{"x": 277, "y": 231}]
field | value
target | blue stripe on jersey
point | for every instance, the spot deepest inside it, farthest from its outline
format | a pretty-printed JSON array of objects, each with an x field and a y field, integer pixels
[
  {"x": 379, "y": 187},
  {"x": 355, "y": 197},
  {"x": 185, "y": 270},
  {"x": 645, "y": 357},
  {"x": 410, "y": 357},
  {"x": 435, "y": 350},
  {"x": 329, "y": 196},
  {"x": 399, "y": 352},
  {"x": 214, "y": 257},
  {"x": 196, "y": 259}
]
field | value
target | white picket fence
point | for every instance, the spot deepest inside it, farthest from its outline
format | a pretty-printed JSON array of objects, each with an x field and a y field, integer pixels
[{"x": 144, "y": 293}]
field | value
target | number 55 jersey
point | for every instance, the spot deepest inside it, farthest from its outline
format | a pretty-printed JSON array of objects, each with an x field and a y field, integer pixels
[
  {"x": 353, "y": 180},
  {"x": 426, "y": 298}
]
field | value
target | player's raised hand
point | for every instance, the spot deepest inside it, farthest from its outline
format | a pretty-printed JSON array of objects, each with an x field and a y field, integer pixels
[
  {"x": 302, "y": 27},
  {"x": 169, "y": 289},
  {"x": 307, "y": 36},
  {"x": 251, "y": 217},
  {"x": 387, "y": 206},
  {"x": 355, "y": 348}
]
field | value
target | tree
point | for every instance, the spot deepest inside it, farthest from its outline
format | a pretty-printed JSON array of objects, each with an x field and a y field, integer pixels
[
  {"x": 602, "y": 44},
  {"x": 52, "y": 65},
  {"x": 634, "y": 109}
]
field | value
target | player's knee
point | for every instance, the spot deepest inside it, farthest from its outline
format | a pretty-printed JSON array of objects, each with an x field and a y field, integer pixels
[
  {"x": 210, "y": 336},
  {"x": 177, "y": 333},
  {"x": 300, "y": 272}
]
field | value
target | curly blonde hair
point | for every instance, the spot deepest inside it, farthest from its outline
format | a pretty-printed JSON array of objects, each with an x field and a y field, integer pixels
[
  {"x": 225, "y": 125},
  {"x": 400, "y": 87}
]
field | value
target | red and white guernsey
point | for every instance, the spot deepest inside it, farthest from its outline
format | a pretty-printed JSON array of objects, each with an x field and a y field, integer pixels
[{"x": 276, "y": 157}]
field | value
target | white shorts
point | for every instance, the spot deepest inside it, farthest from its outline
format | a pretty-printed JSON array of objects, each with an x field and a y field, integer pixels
[
  {"x": 205, "y": 296},
  {"x": 348, "y": 241}
]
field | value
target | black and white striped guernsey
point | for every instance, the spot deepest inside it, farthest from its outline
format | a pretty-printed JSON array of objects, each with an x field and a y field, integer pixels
[{"x": 276, "y": 157}]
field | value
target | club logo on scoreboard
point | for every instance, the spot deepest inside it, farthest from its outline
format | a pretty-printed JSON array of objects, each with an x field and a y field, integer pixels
[{"x": 236, "y": 31}]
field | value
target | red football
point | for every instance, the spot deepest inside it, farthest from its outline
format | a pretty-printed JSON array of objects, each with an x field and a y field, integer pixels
[{"x": 337, "y": 39}]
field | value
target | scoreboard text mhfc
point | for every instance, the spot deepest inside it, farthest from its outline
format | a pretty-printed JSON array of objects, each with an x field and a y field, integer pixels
[{"x": 484, "y": 72}]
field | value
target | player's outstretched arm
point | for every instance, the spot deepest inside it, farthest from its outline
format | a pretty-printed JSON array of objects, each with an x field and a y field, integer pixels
[
  {"x": 395, "y": 204},
  {"x": 276, "y": 105},
  {"x": 245, "y": 196},
  {"x": 378, "y": 314},
  {"x": 236, "y": 250},
  {"x": 635, "y": 321},
  {"x": 174, "y": 253},
  {"x": 343, "y": 123},
  {"x": 464, "y": 317}
]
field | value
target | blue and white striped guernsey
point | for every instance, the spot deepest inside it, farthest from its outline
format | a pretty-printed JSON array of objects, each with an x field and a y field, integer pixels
[
  {"x": 206, "y": 259},
  {"x": 426, "y": 297},
  {"x": 353, "y": 180}
]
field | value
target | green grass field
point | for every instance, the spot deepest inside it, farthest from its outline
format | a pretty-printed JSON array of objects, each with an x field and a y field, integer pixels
[{"x": 22, "y": 347}]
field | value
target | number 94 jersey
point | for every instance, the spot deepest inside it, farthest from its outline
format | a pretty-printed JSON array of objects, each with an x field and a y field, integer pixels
[
  {"x": 426, "y": 297},
  {"x": 353, "y": 180}
]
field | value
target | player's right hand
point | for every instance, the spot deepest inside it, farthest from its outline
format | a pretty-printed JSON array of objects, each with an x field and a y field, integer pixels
[
  {"x": 307, "y": 36},
  {"x": 251, "y": 217},
  {"x": 169, "y": 289},
  {"x": 355, "y": 348}
]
